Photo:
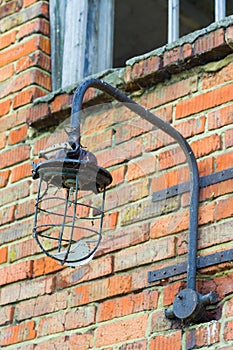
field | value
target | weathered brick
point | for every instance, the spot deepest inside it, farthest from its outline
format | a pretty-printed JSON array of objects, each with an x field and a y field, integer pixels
[
  {"x": 229, "y": 138},
  {"x": 4, "y": 176},
  {"x": 170, "y": 158},
  {"x": 137, "y": 345},
  {"x": 98, "y": 141},
  {"x": 118, "y": 175},
  {"x": 220, "y": 77},
  {"x": 159, "y": 322},
  {"x": 6, "y": 315},
  {"x": 17, "y": 118},
  {"x": 224, "y": 208},
  {"x": 16, "y": 272},
  {"x": 18, "y": 333},
  {"x": 61, "y": 343},
  {"x": 7, "y": 39},
  {"x": 224, "y": 161},
  {"x": 3, "y": 255},
  {"x": 169, "y": 93},
  {"x": 203, "y": 336},
  {"x": 7, "y": 215},
  {"x": 39, "y": 25},
  {"x": 222, "y": 116},
  {"x": 149, "y": 252},
  {"x": 136, "y": 127},
  {"x": 16, "y": 231},
  {"x": 206, "y": 145},
  {"x": 6, "y": 72},
  {"x": 26, "y": 290},
  {"x": 157, "y": 139},
  {"x": 5, "y": 107},
  {"x": 37, "y": 58},
  {"x": 119, "y": 331},
  {"x": 141, "y": 168},
  {"x": 127, "y": 305},
  {"x": 18, "y": 135},
  {"x": 44, "y": 266},
  {"x": 191, "y": 127},
  {"x": 172, "y": 340},
  {"x": 13, "y": 193},
  {"x": 25, "y": 209},
  {"x": 11, "y": 7},
  {"x": 101, "y": 289},
  {"x": 209, "y": 41},
  {"x": 98, "y": 268},
  {"x": 146, "y": 67},
  {"x": 80, "y": 341},
  {"x": 120, "y": 153},
  {"x": 26, "y": 96},
  {"x": 3, "y": 141},
  {"x": 42, "y": 305}
]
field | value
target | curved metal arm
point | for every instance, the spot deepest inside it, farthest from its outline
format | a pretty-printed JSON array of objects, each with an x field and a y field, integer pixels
[{"x": 168, "y": 129}]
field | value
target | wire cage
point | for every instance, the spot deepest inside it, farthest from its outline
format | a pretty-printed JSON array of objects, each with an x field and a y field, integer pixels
[{"x": 66, "y": 226}]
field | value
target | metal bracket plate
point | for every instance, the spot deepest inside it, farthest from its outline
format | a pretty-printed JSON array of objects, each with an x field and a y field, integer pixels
[
  {"x": 185, "y": 186},
  {"x": 202, "y": 261}
]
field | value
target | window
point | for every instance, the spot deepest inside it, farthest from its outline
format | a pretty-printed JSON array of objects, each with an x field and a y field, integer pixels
[{"x": 89, "y": 36}]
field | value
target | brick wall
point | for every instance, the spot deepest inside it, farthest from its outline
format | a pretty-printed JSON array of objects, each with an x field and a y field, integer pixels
[{"x": 109, "y": 304}]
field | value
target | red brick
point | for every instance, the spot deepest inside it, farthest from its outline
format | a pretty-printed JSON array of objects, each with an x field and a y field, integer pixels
[
  {"x": 206, "y": 145},
  {"x": 170, "y": 158},
  {"x": 101, "y": 289},
  {"x": 42, "y": 305},
  {"x": 37, "y": 112},
  {"x": 6, "y": 315},
  {"x": 7, "y": 39},
  {"x": 5, "y": 107},
  {"x": 17, "y": 118},
  {"x": 17, "y": 135},
  {"x": 229, "y": 308},
  {"x": 220, "y": 77},
  {"x": 170, "y": 178},
  {"x": 61, "y": 343},
  {"x": 61, "y": 102},
  {"x": 7, "y": 215},
  {"x": 191, "y": 127},
  {"x": 39, "y": 25},
  {"x": 229, "y": 138},
  {"x": 224, "y": 208},
  {"x": 16, "y": 334},
  {"x": 118, "y": 175},
  {"x": 120, "y": 153},
  {"x": 6, "y": 72},
  {"x": 204, "y": 101},
  {"x": 209, "y": 41},
  {"x": 98, "y": 141},
  {"x": 3, "y": 255},
  {"x": 27, "y": 96},
  {"x": 224, "y": 161},
  {"x": 120, "y": 331},
  {"x": 172, "y": 340},
  {"x": 146, "y": 67},
  {"x": 149, "y": 252},
  {"x": 14, "y": 193},
  {"x": 2, "y": 141},
  {"x": 124, "y": 238},
  {"x": 45, "y": 45},
  {"x": 222, "y": 116},
  {"x": 203, "y": 336},
  {"x": 4, "y": 176},
  {"x": 172, "y": 56},
  {"x": 169, "y": 93},
  {"x": 37, "y": 58},
  {"x": 171, "y": 291},
  {"x": 16, "y": 272},
  {"x": 157, "y": 139},
  {"x": 25, "y": 209},
  {"x": 22, "y": 49},
  {"x": 98, "y": 268},
  {"x": 141, "y": 168},
  {"x": 216, "y": 190},
  {"x": 16, "y": 230},
  {"x": 26, "y": 290},
  {"x": 44, "y": 266},
  {"x": 127, "y": 305},
  {"x": 21, "y": 172},
  {"x": 135, "y": 128},
  {"x": 80, "y": 341}
]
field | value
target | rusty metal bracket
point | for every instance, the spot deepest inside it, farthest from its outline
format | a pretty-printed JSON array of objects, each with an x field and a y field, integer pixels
[
  {"x": 202, "y": 261},
  {"x": 204, "y": 181}
]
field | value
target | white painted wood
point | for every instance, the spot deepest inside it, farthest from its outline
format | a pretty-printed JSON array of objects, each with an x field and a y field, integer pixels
[
  {"x": 220, "y": 9},
  {"x": 173, "y": 20},
  {"x": 74, "y": 41}
]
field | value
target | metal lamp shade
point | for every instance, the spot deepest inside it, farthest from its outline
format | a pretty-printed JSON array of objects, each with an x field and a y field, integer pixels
[{"x": 66, "y": 227}]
